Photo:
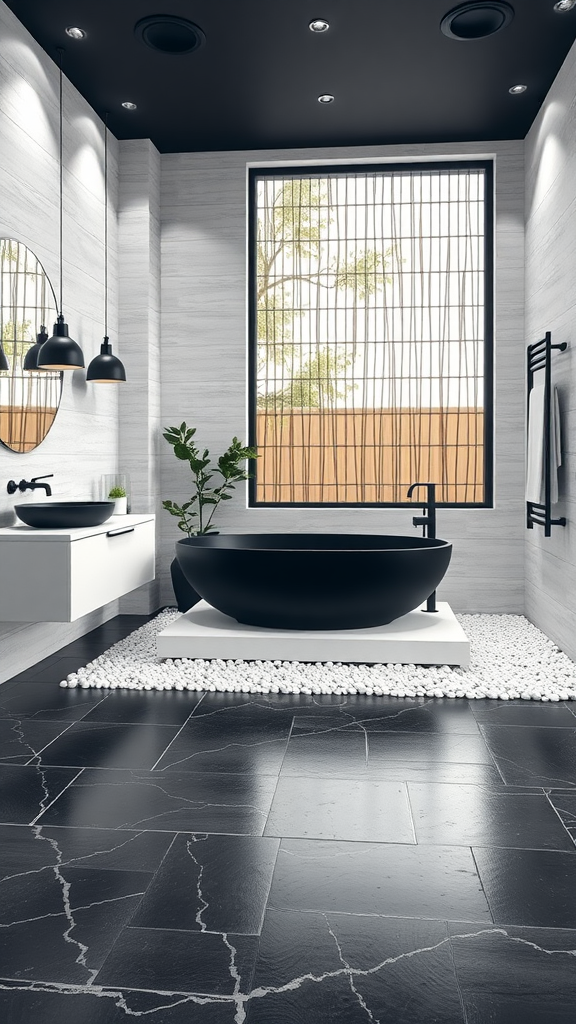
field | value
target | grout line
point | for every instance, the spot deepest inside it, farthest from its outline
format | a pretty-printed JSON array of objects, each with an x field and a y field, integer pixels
[
  {"x": 176, "y": 734},
  {"x": 477, "y": 869},
  {"x": 561, "y": 820},
  {"x": 277, "y": 784},
  {"x": 29, "y": 762},
  {"x": 33, "y": 822},
  {"x": 410, "y": 812}
]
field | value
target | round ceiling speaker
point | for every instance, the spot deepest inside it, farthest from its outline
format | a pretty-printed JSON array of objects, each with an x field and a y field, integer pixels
[
  {"x": 168, "y": 33},
  {"x": 477, "y": 19}
]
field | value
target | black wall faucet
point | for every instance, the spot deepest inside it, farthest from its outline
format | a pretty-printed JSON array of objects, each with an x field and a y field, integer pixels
[
  {"x": 30, "y": 485},
  {"x": 428, "y": 524}
]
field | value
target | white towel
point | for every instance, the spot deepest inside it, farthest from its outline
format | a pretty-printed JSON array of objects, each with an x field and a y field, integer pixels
[
  {"x": 535, "y": 469},
  {"x": 555, "y": 446}
]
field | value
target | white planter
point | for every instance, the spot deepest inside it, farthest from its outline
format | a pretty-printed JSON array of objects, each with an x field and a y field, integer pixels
[{"x": 120, "y": 506}]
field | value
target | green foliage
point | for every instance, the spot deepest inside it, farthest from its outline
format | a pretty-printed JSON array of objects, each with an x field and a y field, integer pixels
[
  {"x": 363, "y": 273},
  {"x": 293, "y": 220},
  {"x": 117, "y": 492},
  {"x": 291, "y": 226},
  {"x": 317, "y": 384},
  {"x": 191, "y": 514}
]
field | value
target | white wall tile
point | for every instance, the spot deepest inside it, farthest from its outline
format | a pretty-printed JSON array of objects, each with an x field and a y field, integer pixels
[
  {"x": 551, "y": 306},
  {"x": 83, "y": 441},
  {"x": 204, "y": 316}
]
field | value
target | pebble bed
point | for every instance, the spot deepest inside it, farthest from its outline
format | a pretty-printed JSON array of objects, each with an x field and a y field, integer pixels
[{"x": 510, "y": 660}]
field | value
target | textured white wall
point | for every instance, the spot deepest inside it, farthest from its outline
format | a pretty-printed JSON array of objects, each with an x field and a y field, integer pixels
[
  {"x": 139, "y": 320},
  {"x": 551, "y": 306},
  {"x": 82, "y": 444},
  {"x": 203, "y": 329}
]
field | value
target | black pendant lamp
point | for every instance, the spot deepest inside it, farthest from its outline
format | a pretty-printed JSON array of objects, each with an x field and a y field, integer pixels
[
  {"x": 31, "y": 357},
  {"x": 3, "y": 360},
  {"x": 60, "y": 352},
  {"x": 106, "y": 368}
]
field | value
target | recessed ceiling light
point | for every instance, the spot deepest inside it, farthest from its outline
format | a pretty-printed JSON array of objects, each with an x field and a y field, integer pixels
[
  {"x": 326, "y": 97},
  {"x": 129, "y": 106},
  {"x": 318, "y": 25},
  {"x": 517, "y": 89},
  {"x": 75, "y": 33},
  {"x": 168, "y": 33},
  {"x": 564, "y": 5},
  {"x": 476, "y": 19}
]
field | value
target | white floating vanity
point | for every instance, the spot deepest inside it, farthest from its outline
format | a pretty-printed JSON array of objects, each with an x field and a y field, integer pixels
[{"x": 59, "y": 575}]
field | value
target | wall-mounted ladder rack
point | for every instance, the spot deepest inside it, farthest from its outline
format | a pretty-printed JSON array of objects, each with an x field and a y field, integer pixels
[{"x": 539, "y": 357}]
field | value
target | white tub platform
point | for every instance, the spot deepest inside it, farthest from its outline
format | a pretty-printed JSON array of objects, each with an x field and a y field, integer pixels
[{"x": 419, "y": 638}]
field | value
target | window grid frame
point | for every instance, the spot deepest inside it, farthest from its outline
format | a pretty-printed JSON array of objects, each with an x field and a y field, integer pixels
[{"x": 487, "y": 166}]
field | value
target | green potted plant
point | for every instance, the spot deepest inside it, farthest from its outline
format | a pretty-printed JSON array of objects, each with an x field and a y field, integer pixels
[
  {"x": 119, "y": 497},
  {"x": 195, "y": 515}
]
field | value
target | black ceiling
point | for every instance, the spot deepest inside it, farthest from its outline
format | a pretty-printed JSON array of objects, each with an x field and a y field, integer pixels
[{"x": 254, "y": 83}]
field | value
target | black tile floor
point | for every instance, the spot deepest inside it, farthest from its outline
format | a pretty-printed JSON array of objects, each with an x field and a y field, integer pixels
[{"x": 222, "y": 859}]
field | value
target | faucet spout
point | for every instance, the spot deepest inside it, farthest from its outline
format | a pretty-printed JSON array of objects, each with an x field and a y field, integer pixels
[
  {"x": 30, "y": 485},
  {"x": 33, "y": 485}
]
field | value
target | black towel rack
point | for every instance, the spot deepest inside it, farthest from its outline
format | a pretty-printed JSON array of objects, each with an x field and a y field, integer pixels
[{"x": 539, "y": 357}]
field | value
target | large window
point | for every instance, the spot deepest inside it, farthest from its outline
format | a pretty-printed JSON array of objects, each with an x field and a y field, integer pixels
[{"x": 371, "y": 333}]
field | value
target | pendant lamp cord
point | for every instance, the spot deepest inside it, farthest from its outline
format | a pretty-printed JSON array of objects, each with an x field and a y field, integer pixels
[
  {"x": 61, "y": 157},
  {"x": 106, "y": 225}
]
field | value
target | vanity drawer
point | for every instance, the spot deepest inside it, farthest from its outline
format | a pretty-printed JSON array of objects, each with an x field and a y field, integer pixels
[
  {"x": 105, "y": 567},
  {"x": 60, "y": 575}
]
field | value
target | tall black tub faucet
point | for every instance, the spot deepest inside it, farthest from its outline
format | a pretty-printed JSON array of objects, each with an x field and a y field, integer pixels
[{"x": 428, "y": 524}]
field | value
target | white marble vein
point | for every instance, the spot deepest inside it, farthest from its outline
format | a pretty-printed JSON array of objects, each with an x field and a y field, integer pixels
[
  {"x": 240, "y": 999},
  {"x": 73, "y": 860},
  {"x": 219, "y": 750},
  {"x": 59, "y": 913},
  {"x": 348, "y": 967},
  {"x": 202, "y": 904}
]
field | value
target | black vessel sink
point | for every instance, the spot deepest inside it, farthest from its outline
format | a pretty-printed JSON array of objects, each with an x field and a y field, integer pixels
[{"x": 64, "y": 515}]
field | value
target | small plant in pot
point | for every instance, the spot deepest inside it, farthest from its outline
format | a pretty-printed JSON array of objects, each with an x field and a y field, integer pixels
[
  {"x": 119, "y": 497},
  {"x": 195, "y": 515}
]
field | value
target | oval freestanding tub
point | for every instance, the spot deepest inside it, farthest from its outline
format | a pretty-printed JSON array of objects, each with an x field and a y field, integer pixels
[{"x": 313, "y": 580}]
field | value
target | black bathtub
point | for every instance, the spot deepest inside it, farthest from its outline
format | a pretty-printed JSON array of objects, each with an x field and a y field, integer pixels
[{"x": 313, "y": 580}]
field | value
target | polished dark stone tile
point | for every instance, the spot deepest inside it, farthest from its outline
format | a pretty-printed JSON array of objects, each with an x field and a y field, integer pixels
[
  {"x": 95, "y": 745},
  {"x": 22, "y": 739},
  {"x": 529, "y": 887},
  {"x": 61, "y": 928},
  {"x": 223, "y": 705},
  {"x": 484, "y": 775},
  {"x": 346, "y": 754},
  {"x": 46, "y": 701},
  {"x": 433, "y": 882},
  {"x": 390, "y": 714},
  {"x": 378, "y": 969},
  {"x": 565, "y": 805},
  {"x": 534, "y": 756},
  {"x": 533, "y": 967},
  {"x": 26, "y": 849},
  {"x": 482, "y": 1009},
  {"x": 26, "y": 791},
  {"x": 243, "y": 740},
  {"x": 465, "y": 815},
  {"x": 172, "y": 708},
  {"x": 211, "y": 883},
  {"x": 522, "y": 712},
  {"x": 175, "y": 961},
  {"x": 186, "y": 802},
  {"x": 53, "y": 669},
  {"x": 22, "y": 1004},
  {"x": 361, "y": 810}
]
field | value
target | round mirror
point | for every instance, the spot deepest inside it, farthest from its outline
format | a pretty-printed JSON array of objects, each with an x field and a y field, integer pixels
[{"x": 29, "y": 398}]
